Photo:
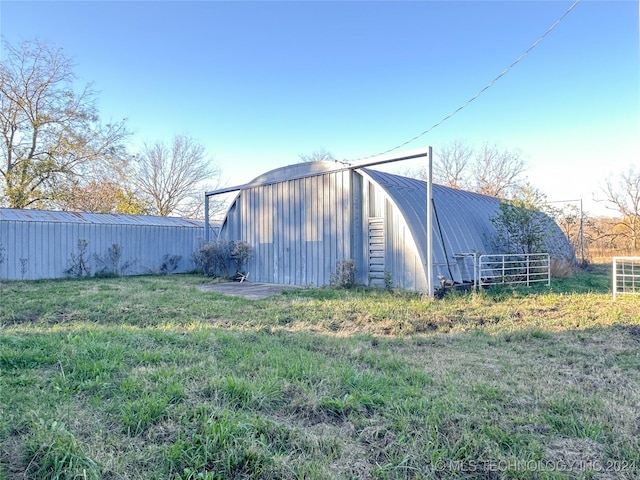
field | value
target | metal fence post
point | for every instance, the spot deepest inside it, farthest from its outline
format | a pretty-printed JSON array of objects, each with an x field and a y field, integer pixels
[{"x": 614, "y": 285}]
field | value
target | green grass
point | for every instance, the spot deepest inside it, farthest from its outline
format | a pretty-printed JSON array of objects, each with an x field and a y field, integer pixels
[{"x": 150, "y": 378}]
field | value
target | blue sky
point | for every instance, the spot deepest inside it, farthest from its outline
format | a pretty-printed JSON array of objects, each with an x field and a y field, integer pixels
[{"x": 261, "y": 82}]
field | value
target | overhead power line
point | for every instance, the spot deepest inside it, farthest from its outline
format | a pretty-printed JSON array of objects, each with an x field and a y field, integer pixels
[{"x": 487, "y": 87}]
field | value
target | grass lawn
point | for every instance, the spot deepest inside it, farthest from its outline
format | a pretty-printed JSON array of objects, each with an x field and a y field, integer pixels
[{"x": 151, "y": 378}]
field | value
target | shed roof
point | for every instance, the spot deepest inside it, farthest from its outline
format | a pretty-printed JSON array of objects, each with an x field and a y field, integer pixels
[{"x": 51, "y": 216}]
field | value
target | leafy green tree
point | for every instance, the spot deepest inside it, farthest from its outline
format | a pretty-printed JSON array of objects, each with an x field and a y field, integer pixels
[
  {"x": 104, "y": 196},
  {"x": 50, "y": 131},
  {"x": 521, "y": 225},
  {"x": 107, "y": 188}
]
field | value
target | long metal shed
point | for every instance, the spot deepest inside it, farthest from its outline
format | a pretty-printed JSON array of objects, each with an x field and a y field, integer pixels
[
  {"x": 303, "y": 219},
  {"x": 40, "y": 243}
]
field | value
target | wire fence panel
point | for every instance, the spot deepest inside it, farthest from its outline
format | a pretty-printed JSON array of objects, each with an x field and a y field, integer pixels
[
  {"x": 514, "y": 269},
  {"x": 626, "y": 276}
]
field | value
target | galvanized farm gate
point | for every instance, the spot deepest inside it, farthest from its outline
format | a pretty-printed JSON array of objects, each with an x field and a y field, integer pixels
[
  {"x": 626, "y": 276},
  {"x": 514, "y": 269}
]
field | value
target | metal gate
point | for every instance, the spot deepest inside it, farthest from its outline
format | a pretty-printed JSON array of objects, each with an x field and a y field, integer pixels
[
  {"x": 626, "y": 276},
  {"x": 514, "y": 269}
]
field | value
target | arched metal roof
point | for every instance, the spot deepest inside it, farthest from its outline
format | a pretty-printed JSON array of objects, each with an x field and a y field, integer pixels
[
  {"x": 461, "y": 222},
  {"x": 288, "y": 223},
  {"x": 297, "y": 170}
]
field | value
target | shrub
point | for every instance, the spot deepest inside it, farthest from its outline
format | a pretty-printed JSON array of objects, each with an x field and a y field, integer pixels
[
  {"x": 519, "y": 228},
  {"x": 110, "y": 263},
  {"x": 344, "y": 275},
  {"x": 388, "y": 280},
  {"x": 24, "y": 267},
  {"x": 561, "y": 267},
  {"x": 79, "y": 263},
  {"x": 2, "y": 255},
  {"x": 242, "y": 251},
  {"x": 214, "y": 258}
]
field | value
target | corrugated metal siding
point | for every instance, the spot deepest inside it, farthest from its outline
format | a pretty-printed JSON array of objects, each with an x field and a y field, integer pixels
[
  {"x": 45, "y": 241},
  {"x": 50, "y": 216},
  {"x": 298, "y": 228},
  {"x": 402, "y": 261},
  {"x": 461, "y": 224}
]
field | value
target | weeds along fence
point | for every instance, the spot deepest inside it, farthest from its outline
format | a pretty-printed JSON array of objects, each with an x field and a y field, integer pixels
[
  {"x": 513, "y": 269},
  {"x": 38, "y": 244},
  {"x": 626, "y": 276}
]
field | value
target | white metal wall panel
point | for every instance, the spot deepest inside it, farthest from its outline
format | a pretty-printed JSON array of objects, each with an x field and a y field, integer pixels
[
  {"x": 39, "y": 244},
  {"x": 405, "y": 265},
  {"x": 299, "y": 228}
]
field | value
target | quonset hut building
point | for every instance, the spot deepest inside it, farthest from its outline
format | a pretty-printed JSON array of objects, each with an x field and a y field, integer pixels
[{"x": 303, "y": 219}]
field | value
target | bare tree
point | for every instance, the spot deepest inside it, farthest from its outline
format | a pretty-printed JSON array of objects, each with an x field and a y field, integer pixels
[
  {"x": 49, "y": 131},
  {"x": 316, "y": 155},
  {"x": 623, "y": 197},
  {"x": 171, "y": 176},
  {"x": 490, "y": 170},
  {"x": 452, "y": 165},
  {"x": 497, "y": 172}
]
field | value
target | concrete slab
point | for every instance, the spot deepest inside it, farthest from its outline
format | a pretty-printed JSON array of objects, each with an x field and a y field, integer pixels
[{"x": 251, "y": 290}]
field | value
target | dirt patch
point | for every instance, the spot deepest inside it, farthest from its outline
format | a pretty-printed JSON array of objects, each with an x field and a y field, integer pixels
[
  {"x": 250, "y": 290},
  {"x": 578, "y": 456},
  {"x": 31, "y": 317}
]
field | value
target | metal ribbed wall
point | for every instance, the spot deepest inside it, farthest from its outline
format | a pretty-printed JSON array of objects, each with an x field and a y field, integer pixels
[
  {"x": 403, "y": 265},
  {"x": 302, "y": 219},
  {"x": 298, "y": 228},
  {"x": 461, "y": 224},
  {"x": 39, "y": 244}
]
